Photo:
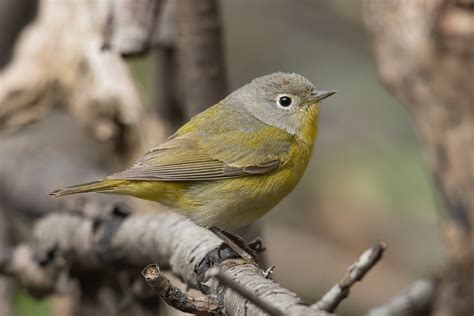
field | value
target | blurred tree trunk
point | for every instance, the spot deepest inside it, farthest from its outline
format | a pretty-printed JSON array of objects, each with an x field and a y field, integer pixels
[
  {"x": 190, "y": 68},
  {"x": 424, "y": 53},
  {"x": 200, "y": 54}
]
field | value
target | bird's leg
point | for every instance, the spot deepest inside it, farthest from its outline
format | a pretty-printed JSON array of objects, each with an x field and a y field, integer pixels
[
  {"x": 255, "y": 247},
  {"x": 236, "y": 243}
]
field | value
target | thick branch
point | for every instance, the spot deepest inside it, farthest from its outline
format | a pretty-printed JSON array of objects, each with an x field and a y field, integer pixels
[
  {"x": 245, "y": 293},
  {"x": 171, "y": 241}
]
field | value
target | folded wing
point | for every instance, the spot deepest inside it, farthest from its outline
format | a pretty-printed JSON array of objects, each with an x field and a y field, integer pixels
[{"x": 183, "y": 159}]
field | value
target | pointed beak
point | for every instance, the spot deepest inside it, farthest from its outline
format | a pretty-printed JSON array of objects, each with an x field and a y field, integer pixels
[{"x": 321, "y": 94}]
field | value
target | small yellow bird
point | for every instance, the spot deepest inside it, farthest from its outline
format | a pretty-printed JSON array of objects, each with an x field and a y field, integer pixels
[{"x": 232, "y": 163}]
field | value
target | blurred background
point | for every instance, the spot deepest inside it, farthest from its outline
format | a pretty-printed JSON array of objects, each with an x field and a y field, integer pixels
[{"x": 366, "y": 181}]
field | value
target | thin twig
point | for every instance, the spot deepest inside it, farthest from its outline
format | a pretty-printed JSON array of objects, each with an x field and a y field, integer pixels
[
  {"x": 204, "y": 305},
  {"x": 355, "y": 273},
  {"x": 245, "y": 293}
]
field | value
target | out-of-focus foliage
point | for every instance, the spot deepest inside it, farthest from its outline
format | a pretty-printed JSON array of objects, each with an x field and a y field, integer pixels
[{"x": 28, "y": 306}]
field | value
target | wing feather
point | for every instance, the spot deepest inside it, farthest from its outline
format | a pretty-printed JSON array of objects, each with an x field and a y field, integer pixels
[{"x": 185, "y": 161}]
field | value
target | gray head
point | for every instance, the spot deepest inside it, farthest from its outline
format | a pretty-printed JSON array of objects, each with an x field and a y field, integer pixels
[{"x": 283, "y": 100}]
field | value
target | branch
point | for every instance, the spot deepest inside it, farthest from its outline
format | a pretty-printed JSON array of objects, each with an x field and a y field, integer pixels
[
  {"x": 204, "y": 305},
  {"x": 175, "y": 243},
  {"x": 243, "y": 292},
  {"x": 416, "y": 300},
  {"x": 355, "y": 273}
]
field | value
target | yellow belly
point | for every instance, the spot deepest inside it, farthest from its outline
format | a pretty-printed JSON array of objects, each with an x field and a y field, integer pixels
[{"x": 235, "y": 202}]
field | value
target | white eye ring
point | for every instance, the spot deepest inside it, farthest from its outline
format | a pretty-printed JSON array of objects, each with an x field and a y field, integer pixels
[{"x": 284, "y": 101}]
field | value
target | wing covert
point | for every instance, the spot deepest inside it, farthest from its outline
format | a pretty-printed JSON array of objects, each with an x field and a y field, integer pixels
[{"x": 182, "y": 160}]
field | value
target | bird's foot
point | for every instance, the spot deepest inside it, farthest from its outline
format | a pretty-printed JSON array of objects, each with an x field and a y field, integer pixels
[{"x": 246, "y": 251}]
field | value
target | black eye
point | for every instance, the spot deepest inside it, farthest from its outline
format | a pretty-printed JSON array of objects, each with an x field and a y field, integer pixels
[{"x": 285, "y": 101}]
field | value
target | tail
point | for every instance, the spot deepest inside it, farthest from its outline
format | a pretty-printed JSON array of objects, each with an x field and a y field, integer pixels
[{"x": 96, "y": 186}]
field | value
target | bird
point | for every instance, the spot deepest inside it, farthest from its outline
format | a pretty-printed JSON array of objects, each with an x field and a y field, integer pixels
[{"x": 233, "y": 162}]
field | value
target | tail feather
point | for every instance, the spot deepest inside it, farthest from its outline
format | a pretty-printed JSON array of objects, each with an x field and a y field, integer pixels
[{"x": 95, "y": 186}]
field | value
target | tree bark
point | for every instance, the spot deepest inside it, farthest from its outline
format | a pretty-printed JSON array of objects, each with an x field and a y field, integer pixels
[{"x": 424, "y": 54}]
